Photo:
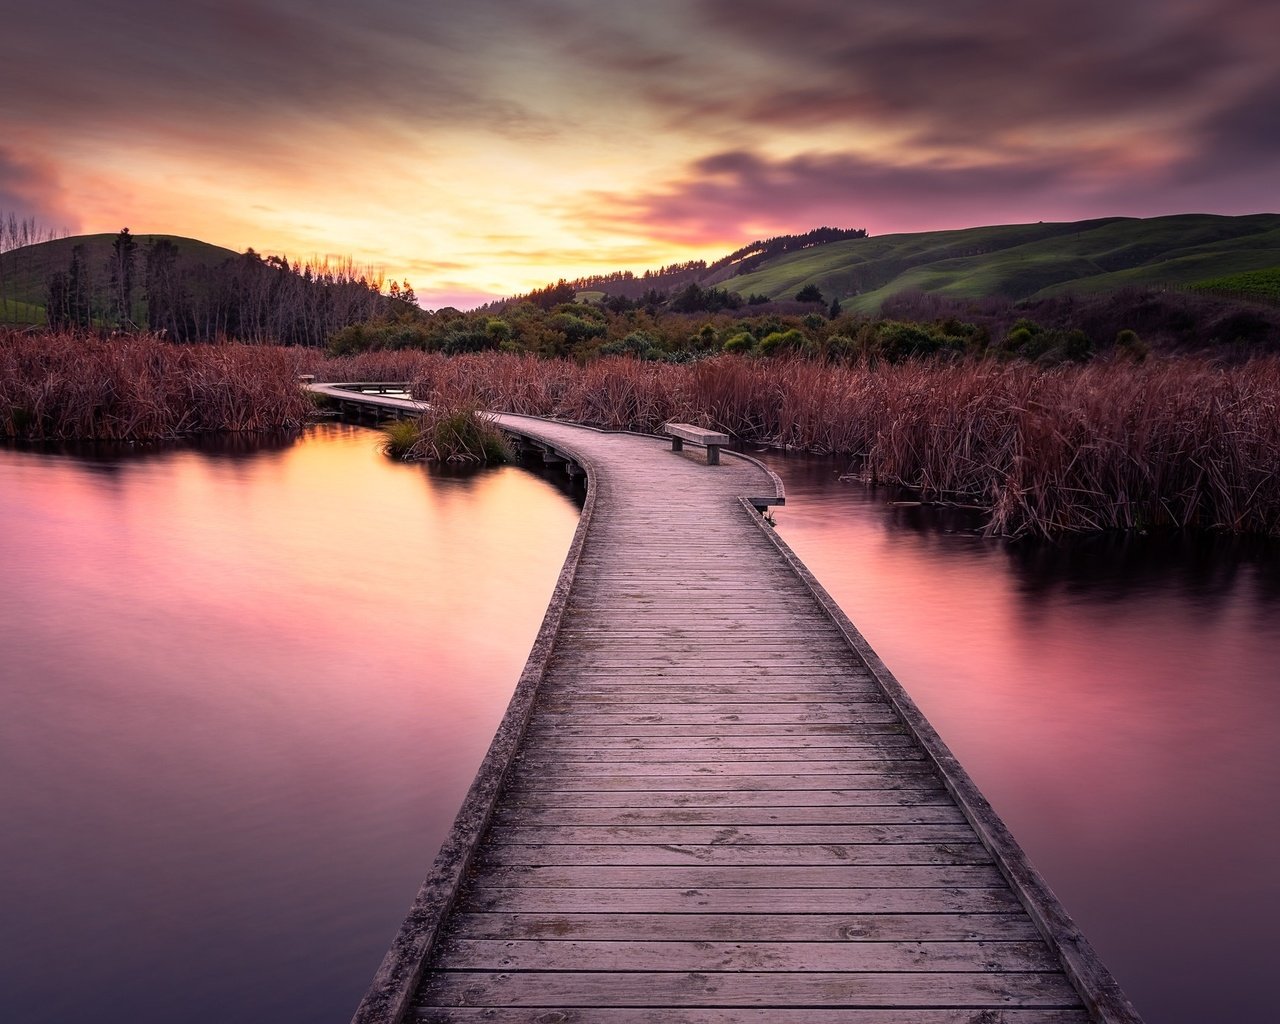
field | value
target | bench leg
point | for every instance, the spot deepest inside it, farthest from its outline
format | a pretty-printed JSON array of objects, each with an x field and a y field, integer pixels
[
  {"x": 677, "y": 444},
  {"x": 713, "y": 455}
]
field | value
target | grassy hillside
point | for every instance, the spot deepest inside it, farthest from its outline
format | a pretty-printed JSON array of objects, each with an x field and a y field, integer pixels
[
  {"x": 25, "y": 272},
  {"x": 1025, "y": 260},
  {"x": 1258, "y": 285}
]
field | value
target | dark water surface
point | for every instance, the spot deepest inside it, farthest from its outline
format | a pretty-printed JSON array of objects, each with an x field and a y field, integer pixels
[
  {"x": 244, "y": 693},
  {"x": 1118, "y": 702},
  {"x": 243, "y": 696}
]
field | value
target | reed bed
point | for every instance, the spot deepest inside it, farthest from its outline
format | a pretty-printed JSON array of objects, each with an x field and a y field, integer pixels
[
  {"x": 1177, "y": 443},
  {"x": 138, "y": 388},
  {"x": 1109, "y": 445}
]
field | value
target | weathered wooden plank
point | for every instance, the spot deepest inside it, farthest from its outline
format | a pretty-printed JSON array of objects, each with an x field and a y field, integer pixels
[
  {"x": 909, "y": 775},
  {"x": 741, "y": 1015},
  {"x": 726, "y": 762},
  {"x": 779, "y": 855},
  {"x": 525, "y": 794},
  {"x": 566, "y": 704},
  {"x": 685, "y": 674},
  {"x": 575, "y": 954},
  {"x": 722, "y": 728},
  {"x": 719, "y": 876},
  {"x": 514, "y": 900},
  {"x": 554, "y": 740},
  {"x": 695, "y": 695},
  {"x": 718, "y": 768},
  {"x": 735, "y": 657},
  {"x": 744, "y": 927},
  {"x": 684, "y": 835},
  {"x": 856, "y": 731},
  {"x": 888, "y": 814},
  {"x": 811, "y": 988}
]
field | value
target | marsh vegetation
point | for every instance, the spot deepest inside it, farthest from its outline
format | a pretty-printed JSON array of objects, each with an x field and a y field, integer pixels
[{"x": 1041, "y": 448}]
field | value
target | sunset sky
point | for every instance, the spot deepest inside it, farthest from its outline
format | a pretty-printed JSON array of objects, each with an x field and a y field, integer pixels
[{"x": 483, "y": 148}]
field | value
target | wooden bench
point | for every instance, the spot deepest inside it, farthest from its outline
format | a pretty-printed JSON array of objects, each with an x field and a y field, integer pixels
[{"x": 710, "y": 439}]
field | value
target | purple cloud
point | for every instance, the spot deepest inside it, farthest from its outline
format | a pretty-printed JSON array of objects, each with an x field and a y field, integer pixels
[
  {"x": 31, "y": 189},
  {"x": 739, "y": 194}
]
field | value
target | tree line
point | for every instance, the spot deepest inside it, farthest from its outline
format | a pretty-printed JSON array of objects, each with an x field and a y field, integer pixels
[{"x": 244, "y": 298}]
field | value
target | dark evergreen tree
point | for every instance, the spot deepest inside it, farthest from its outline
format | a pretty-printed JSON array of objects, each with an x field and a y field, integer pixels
[
  {"x": 56, "y": 305},
  {"x": 163, "y": 288},
  {"x": 123, "y": 253},
  {"x": 79, "y": 290}
]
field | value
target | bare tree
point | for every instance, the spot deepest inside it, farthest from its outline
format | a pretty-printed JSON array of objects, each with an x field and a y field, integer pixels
[{"x": 16, "y": 267}]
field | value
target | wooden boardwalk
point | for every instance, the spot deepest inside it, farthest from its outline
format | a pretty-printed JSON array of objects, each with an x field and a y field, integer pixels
[{"x": 710, "y": 802}]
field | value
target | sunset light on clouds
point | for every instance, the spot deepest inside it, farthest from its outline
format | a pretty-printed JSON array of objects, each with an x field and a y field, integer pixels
[{"x": 485, "y": 148}]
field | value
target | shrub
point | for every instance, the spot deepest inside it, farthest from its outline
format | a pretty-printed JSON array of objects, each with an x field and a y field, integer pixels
[
  {"x": 841, "y": 348},
  {"x": 577, "y": 329},
  {"x": 464, "y": 339},
  {"x": 1130, "y": 346},
  {"x": 895, "y": 342},
  {"x": 783, "y": 342},
  {"x": 637, "y": 344}
]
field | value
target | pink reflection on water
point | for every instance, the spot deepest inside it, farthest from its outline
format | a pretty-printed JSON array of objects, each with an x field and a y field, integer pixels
[
  {"x": 1124, "y": 719},
  {"x": 242, "y": 699}
]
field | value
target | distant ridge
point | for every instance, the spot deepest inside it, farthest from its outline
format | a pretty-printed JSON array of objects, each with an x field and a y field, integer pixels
[{"x": 1012, "y": 261}]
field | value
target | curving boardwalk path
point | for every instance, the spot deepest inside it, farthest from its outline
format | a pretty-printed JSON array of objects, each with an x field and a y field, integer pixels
[{"x": 710, "y": 802}]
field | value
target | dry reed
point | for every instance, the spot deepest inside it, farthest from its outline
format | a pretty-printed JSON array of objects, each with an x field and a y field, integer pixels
[
  {"x": 1110, "y": 445},
  {"x": 60, "y": 387}
]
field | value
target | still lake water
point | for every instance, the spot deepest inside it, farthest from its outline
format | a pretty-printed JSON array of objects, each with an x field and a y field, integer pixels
[{"x": 245, "y": 690}]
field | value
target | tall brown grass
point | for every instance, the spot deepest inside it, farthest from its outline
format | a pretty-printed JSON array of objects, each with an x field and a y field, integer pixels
[
  {"x": 1044, "y": 450},
  {"x": 1109, "y": 445},
  {"x": 61, "y": 386}
]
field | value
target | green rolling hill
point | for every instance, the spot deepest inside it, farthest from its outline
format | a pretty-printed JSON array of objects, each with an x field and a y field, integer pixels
[
  {"x": 1022, "y": 261},
  {"x": 25, "y": 272}
]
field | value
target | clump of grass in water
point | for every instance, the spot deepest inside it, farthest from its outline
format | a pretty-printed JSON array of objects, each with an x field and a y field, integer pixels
[
  {"x": 399, "y": 438},
  {"x": 448, "y": 433}
]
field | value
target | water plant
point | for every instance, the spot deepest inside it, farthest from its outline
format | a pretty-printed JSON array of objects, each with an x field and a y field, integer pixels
[
  {"x": 399, "y": 438},
  {"x": 451, "y": 429}
]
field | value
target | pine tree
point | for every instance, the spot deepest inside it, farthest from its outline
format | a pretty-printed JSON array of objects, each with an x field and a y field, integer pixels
[
  {"x": 123, "y": 253},
  {"x": 79, "y": 292}
]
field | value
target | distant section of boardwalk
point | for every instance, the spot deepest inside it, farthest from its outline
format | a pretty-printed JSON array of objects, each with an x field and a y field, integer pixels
[{"x": 710, "y": 802}]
